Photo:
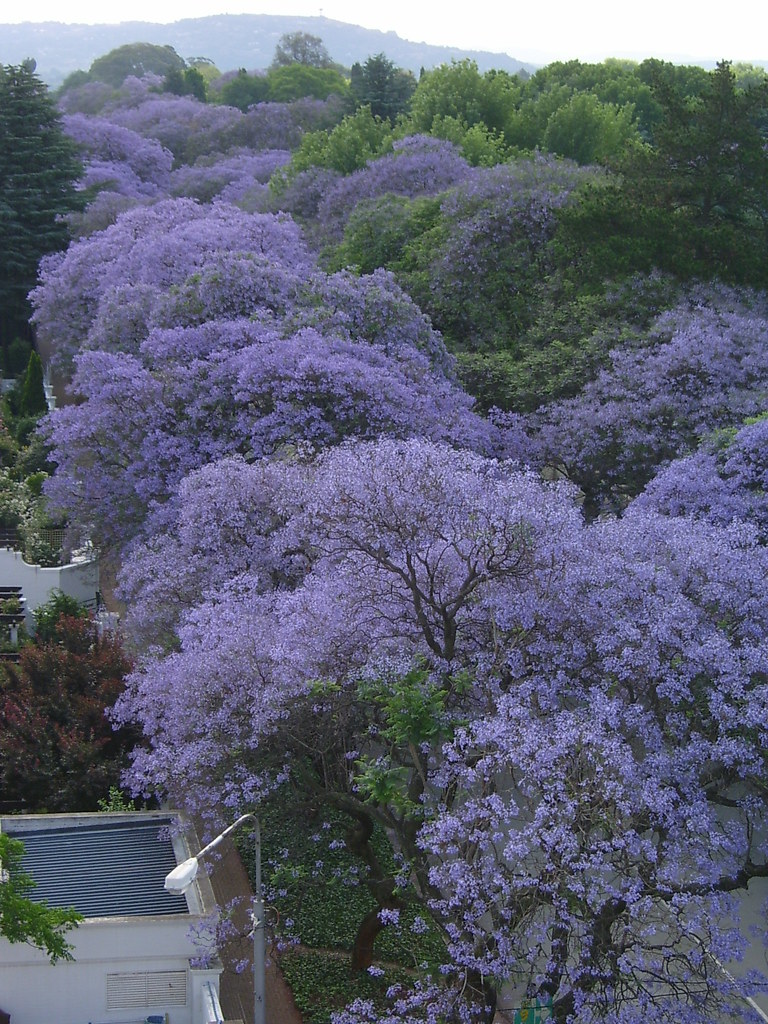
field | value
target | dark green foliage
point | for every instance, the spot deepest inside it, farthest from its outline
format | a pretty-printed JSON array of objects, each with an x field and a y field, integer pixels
[
  {"x": 322, "y": 983},
  {"x": 380, "y": 231},
  {"x": 566, "y": 344},
  {"x": 686, "y": 80},
  {"x": 135, "y": 59},
  {"x": 317, "y": 886},
  {"x": 301, "y": 48},
  {"x": 382, "y": 86},
  {"x": 73, "y": 81},
  {"x": 33, "y": 402},
  {"x": 21, "y": 919},
  {"x": 693, "y": 203},
  {"x": 244, "y": 90},
  {"x": 317, "y": 882},
  {"x": 16, "y": 356},
  {"x": 38, "y": 168},
  {"x": 282, "y": 84},
  {"x": 49, "y": 615},
  {"x": 186, "y": 82}
]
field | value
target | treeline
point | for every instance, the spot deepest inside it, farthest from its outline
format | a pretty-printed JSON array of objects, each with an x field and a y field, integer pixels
[{"x": 432, "y": 461}]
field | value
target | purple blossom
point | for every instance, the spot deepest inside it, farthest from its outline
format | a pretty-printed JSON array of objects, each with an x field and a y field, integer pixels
[
  {"x": 139, "y": 166},
  {"x": 703, "y": 367},
  {"x": 725, "y": 481},
  {"x": 417, "y": 166}
]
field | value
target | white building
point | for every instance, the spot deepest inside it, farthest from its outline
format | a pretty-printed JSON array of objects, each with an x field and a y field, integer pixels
[
  {"x": 78, "y": 579},
  {"x": 133, "y": 951}
]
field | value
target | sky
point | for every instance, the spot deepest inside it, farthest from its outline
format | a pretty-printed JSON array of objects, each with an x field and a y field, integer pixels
[{"x": 530, "y": 30}]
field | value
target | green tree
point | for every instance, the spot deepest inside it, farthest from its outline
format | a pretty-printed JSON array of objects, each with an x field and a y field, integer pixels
[
  {"x": 49, "y": 616},
  {"x": 458, "y": 91},
  {"x": 293, "y": 81},
  {"x": 38, "y": 169},
  {"x": 618, "y": 82},
  {"x": 33, "y": 401},
  {"x": 589, "y": 131},
  {"x": 244, "y": 90},
  {"x": 382, "y": 86},
  {"x": 186, "y": 82},
  {"x": 301, "y": 48},
  {"x": 135, "y": 59},
  {"x": 692, "y": 203},
  {"x": 24, "y": 920},
  {"x": 349, "y": 146}
]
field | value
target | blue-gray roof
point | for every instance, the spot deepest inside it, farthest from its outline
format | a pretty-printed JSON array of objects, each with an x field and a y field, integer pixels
[{"x": 112, "y": 869}]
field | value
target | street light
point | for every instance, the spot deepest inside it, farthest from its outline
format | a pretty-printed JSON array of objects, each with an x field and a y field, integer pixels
[{"x": 184, "y": 874}]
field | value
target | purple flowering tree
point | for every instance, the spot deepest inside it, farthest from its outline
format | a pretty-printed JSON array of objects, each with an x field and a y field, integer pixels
[
  {"x": 230, "y": 387},
  {"x": 725, "y": 481},
  {"x": 607, "y": 815},
  {"x": 417, "y": 166},
  {"x": 703, "y": 367},
  {"x": 281, "y": 125},
  {"x": 562, "y": 724},
  {"x": 214, "y": 329},
  {"x": 145, "y": 253},
  {"x": 239, "y": 175},
  {"x": 126, "y": 161},
  {"x": 188, "y": 128}
]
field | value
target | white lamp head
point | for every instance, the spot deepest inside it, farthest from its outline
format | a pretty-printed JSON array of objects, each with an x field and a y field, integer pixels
[{"x": 182, "y": 876}]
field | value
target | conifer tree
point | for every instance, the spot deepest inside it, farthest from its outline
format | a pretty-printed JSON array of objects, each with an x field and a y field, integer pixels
[
  {"x": 33, "y": 401},
  {"x": 38, "y": 168}
]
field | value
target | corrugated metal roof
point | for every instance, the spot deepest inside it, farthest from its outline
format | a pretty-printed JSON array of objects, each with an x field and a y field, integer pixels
[{"x": 102, "y": 870}]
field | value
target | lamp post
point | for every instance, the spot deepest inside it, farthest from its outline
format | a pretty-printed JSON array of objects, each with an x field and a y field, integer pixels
[
  {"x": 184, "y": 874},
  {"x": 747, "y": 999}
]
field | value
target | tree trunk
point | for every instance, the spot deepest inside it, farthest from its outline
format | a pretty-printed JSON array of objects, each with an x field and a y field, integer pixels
[{"x": 362, "y": 951}]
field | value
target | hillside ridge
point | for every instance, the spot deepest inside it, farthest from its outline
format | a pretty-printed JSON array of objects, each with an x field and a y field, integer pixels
[{"x": 229, "y": 40}]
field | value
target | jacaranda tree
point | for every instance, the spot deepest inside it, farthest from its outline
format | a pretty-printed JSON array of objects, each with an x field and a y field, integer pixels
[
  {"x": 563, "y": 725},
  {"x": 217, "y": 332},
  {"x": 701, "y": 368}
]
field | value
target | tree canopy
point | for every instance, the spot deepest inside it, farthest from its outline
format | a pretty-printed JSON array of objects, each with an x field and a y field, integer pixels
[
  {"x": 137, "y": 59},
  {"x": 382, "y": 86},
  {"x": 694, "y": 201},
  {"x": 58, "y": 750},
  {"x": 301, "y": 48},
  {"x": 513, "y": 653}
]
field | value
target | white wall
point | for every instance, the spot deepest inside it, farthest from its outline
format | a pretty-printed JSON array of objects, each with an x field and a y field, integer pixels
[
  {"x": 34, "y": 992},
  {"x": 79, "y": 580}
]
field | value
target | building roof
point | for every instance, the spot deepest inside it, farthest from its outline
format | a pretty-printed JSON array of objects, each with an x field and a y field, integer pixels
[{"x": 101, "y": 868}]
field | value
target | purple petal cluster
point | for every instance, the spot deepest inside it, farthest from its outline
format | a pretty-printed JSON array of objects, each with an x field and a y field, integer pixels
[{"x": 119, "y": 158}]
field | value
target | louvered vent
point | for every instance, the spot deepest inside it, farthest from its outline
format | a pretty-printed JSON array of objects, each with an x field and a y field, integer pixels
[{"x": 161, "y": 988}]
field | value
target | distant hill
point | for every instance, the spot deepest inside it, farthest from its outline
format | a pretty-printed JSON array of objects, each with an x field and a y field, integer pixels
[{"x": 229, "y": 40}]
